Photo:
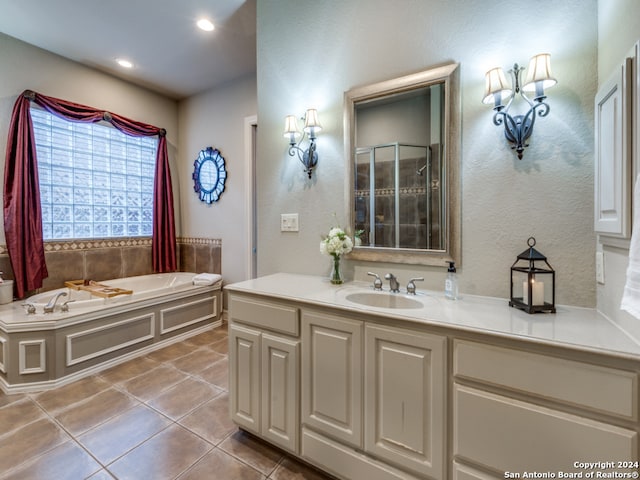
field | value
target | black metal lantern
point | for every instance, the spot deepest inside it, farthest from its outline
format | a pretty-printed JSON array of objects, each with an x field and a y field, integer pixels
[{"x": 533, "y": 284}]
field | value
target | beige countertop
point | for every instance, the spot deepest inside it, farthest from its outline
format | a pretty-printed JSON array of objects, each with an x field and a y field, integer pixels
[{"x": 573, "y": 327}]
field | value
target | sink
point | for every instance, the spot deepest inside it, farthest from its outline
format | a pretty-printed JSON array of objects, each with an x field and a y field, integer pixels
[{"x": 383, "y": 300}]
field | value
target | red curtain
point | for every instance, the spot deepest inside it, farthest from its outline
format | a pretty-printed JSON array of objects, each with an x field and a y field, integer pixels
[{"x": 22, "y": 212}]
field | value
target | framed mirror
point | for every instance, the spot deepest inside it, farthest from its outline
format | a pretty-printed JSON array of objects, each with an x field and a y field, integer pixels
[
  {"x": 402, "y": 139},
  {"x": 209, "y": 175}
]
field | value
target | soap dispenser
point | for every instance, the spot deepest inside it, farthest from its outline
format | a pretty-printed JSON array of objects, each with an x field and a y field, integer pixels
[{"x": 451, "y": 283}]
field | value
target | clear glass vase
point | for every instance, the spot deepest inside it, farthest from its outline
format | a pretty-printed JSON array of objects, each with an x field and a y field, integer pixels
[{"x": 336, "y": 274}]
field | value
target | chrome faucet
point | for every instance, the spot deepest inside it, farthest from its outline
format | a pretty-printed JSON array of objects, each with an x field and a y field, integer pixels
[
  {"x": 394, "y": 286},
  {"x": 411, "y": 286},
  {"x": 51, "y": 305},
  {"x": 377, "y": 283}
]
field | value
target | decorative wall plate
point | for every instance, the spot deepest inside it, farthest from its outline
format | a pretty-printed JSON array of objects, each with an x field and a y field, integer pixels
[{"x": 209, "y": 175}]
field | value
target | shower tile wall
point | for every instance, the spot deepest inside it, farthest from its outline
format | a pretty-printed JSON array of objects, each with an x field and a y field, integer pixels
[{"x": 103, "y": 260}]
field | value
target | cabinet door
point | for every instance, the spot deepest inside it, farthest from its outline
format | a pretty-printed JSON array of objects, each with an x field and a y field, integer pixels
[
  {"x": 405, "y": 398},
  {"x": 613, "y": 154},
  {"x": 244, "y": 381},
  {"x": 332, "y": 376},
  {"x": 280, "y": 399}
]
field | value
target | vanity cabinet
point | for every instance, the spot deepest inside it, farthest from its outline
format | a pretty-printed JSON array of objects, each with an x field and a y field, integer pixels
[
  {"x": 516, "y": 411},
  {"x": 405, "y": 385},
  {"x": 264, "y": 370},
  {"x": 430, "y": 394},
  {"x": 392, "y": 408}
]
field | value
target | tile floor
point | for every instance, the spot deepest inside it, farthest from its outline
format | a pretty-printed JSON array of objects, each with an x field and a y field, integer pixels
[{"x": 160, "y": 416}]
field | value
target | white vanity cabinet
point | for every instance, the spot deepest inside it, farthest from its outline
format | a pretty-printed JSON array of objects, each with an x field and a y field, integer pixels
[
  {"x": 264, "y": 370},
  {"x": 516, "y": 411},
  {"x": 373, "y": 389},
  {"x": 405, "y": 385}
]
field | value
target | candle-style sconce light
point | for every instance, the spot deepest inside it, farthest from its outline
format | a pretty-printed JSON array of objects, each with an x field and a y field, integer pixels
[
  {"x": 518, "y": 128},
  {"x": 533, "y": 282},
  {"x": 309, "y": 156}
]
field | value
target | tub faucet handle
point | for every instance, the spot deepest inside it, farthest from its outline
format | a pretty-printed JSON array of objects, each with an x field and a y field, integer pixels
[
  {"x": 377, "y": 283},
  {"x": 31, "y": 308},
  {"x": 65, "y": 306},
  {"x": 411, "y": 286}
]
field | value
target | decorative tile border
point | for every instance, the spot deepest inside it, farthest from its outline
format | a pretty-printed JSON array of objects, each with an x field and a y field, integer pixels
[{"x": 73, "y": 245}]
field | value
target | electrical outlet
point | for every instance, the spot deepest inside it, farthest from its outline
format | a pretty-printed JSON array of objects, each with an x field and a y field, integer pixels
[
  {"x": 289, "y": 222},
  {"x": 600, "y": 267}
]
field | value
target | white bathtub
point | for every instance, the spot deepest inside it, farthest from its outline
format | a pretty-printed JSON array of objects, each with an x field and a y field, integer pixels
[{"x": 143, "y": 286}]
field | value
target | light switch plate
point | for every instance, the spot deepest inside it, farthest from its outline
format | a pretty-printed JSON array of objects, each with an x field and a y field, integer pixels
[
  {"x": 600, "y": 267},
  {"x": 289, "y": 222}
]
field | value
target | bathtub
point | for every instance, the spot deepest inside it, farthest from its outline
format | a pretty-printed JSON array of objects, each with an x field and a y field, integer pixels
[
  {"x": 143, "y": 286},
  {"x": 41, "y": 350}
]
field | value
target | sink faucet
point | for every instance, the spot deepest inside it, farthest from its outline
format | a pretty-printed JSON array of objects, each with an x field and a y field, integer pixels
[
  {"x": 394, "y": 286},
  {"x": 377, "y": 283},
  {"x": 49, "y": 307}
]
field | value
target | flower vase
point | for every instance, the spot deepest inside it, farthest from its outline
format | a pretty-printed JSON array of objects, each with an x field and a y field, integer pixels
[{"x": 336, "y": 273}]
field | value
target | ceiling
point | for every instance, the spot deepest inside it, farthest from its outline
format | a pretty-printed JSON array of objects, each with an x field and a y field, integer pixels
[{"x": 170, "y": 54}]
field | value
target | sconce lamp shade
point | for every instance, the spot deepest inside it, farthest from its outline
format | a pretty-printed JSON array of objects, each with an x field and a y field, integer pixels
[
  {"x": 496, "y": 87},
  {"x": 311, "y": 123},
  {"x": 291, "y": 131},
  {"x": 539, "y": 74}
]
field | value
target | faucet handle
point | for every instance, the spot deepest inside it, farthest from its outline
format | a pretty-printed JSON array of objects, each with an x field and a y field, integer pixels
[
  {"x": 411, "y": 286},
  {"x": 65, "y": 306},
  {"x": 377, "y": 283},
  {"x": 31, "y": 308}
]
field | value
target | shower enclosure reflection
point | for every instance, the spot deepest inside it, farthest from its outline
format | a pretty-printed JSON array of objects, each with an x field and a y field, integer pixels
[{"x": 398, "y": 196}]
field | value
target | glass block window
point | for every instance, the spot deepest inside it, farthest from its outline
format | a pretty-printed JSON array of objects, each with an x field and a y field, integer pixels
[{"x": 95, "y": 182}]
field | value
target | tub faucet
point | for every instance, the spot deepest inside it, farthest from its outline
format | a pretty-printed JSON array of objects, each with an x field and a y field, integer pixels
[
  {"x": 394, "y": 286},
  {"x": 49, "y": 307}
]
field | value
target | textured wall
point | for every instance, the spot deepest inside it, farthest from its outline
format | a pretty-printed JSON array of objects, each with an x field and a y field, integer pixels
[{"x": 310, "y": 53}]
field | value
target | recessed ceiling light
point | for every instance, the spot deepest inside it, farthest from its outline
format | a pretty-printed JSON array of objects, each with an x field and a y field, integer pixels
[
  {"x": 124, "y": 63},
  {"x": 205, "y": 24}
]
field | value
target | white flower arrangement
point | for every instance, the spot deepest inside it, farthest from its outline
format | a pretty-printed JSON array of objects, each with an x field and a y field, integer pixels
[{"x": 337, "y": 243}]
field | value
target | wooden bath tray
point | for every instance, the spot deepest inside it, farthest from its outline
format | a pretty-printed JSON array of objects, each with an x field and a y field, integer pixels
[{"x": 97, "y": 289}]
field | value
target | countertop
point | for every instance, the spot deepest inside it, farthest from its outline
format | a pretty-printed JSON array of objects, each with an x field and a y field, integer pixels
[{"x": 570, "y": 327}]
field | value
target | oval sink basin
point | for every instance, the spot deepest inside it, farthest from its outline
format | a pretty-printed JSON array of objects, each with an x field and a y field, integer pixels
[{"x": 383, "y": 300}]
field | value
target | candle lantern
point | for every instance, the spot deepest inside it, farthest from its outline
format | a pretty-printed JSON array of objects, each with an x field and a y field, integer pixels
[{"x": 533, "y": 282}]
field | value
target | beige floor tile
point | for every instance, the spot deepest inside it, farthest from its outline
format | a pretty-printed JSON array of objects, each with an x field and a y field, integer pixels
[
  {"x": 7, "y": 399},
  {"x": 83, "y": 416},
  {"x": 120, "y": 434},
  {"x": 217, "y": 464},
  {"x": 29, "y": 442},
  {"x": 252, "y": 451},
  {"x": 184, "y": 397},
  {"x": 221, "y": 347},
  {"x": 155, "y": 381},
  {"x": 127, "y": 370},
  {"x": 18, "y": 414},
  {"x": 290, "y": 469},
  {"x": 217, "y": 374},
  {"x": 211, "y": 421},
  {"x": 209, "y": 337},
  {"x": 65, "y": 462},
  {"x": 164, "y": 456},
  {"x": 63, "y": 397},
  {"x": 171, "y": 352},
  {"x": 197, "y": 361}
]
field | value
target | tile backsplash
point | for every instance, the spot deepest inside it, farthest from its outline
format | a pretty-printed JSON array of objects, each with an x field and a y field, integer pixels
[{"x": 116, "y": 258}]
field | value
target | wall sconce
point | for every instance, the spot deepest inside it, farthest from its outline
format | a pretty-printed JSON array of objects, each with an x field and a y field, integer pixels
[
  {"x": 308, "y": 157},
  {"x": 518, "y": 128}
]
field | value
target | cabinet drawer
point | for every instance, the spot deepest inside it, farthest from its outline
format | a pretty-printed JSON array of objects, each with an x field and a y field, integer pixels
[
  {"x": 513, "y": 436},
  {"x": 594, "y": 387},
  {"x": 274, "y": 316}
]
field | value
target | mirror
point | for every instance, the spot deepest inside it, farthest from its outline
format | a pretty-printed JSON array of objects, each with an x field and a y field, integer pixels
[
  {"x": 209, "y": 175},
  {"x": 402, "y": 137}
]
